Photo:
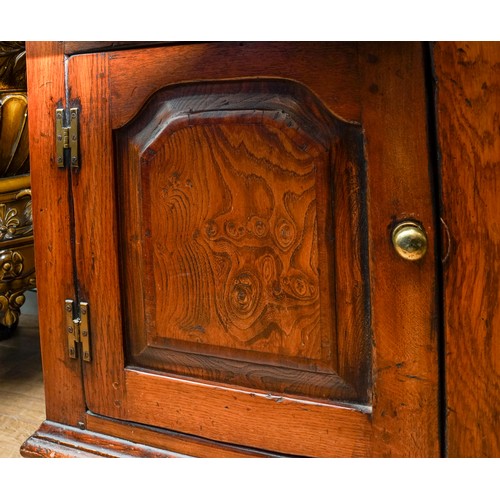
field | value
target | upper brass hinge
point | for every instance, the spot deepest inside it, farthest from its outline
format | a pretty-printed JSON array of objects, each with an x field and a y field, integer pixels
[
  {"x": 77, "y": 330},
  {"x": 67, "y": 138}
]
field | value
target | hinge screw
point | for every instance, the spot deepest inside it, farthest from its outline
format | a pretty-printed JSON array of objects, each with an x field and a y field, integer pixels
[
  {"x": 70, "y": 329},
  {"x": 84, "y": 333},
  {"x": 72, "y": 351},
  {"x": 73, "y": 160},
  {"x": 68, "y": 308},
  {"x": 86, "y": 355}
]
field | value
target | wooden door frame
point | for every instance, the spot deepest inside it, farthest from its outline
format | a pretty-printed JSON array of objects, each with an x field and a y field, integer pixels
[{"x": 52, "y": 214}]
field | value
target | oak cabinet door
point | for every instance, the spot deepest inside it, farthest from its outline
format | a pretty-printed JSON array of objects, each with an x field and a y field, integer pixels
[{"x": 232, "y": 235}]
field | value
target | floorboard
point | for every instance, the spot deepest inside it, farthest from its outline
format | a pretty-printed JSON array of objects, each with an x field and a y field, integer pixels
[{"x": 22, "y": 401}]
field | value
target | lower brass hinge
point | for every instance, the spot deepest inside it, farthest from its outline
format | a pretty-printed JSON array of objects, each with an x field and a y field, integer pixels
[{"x": 77, "y": 330}]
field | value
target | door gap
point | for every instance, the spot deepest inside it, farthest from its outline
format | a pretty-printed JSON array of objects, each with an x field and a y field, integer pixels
[{"x": 435, "y": 176}]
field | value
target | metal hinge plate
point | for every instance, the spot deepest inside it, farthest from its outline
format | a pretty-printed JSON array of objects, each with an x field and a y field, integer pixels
[
  {"x": 67, "y": 138},
  {"x": 77, "y": 330}
]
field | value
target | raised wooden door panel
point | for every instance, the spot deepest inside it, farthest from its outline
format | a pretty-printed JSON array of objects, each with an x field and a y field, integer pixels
[
  {"x": 227, "y": 238},
  {"x": 228, "y": 270}
]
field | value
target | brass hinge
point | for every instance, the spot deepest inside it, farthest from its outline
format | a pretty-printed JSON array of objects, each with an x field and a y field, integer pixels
[
  {"x": 77, "y": 330},
  {"x": 67, "y": 138}
]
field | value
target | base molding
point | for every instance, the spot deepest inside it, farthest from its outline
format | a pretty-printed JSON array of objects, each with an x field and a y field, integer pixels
[
  {"x": 53, "y": 440},
  {"x": 104, "y": 437}
]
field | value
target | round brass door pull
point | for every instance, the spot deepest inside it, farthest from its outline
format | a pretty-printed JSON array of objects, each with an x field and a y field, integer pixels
[{"x": 409, "y": 240}]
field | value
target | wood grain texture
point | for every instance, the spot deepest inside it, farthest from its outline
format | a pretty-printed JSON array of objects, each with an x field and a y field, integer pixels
[
  {"x": 403, "y": 293},
  {"x": 52, "y": 230},
  {"x": 236, "y": 220},
  {"x": 468, "y": 122}
]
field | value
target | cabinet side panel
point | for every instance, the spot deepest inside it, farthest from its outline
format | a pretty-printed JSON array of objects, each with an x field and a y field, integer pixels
[
  {"x": 468, "y": 104},
  {"x": 51, "y": 221}
]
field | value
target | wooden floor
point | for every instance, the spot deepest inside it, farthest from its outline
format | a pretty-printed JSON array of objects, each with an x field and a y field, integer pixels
[{"x": 22, "y": 403}]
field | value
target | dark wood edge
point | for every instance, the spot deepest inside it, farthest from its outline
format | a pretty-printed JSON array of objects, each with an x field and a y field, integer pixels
[
  {"x": 53, "y": 440},
  {"x": 71, "y": 48}
]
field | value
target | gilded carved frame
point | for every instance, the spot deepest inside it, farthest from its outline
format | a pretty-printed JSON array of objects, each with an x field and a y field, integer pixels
[{"x": 17, "y": 269}]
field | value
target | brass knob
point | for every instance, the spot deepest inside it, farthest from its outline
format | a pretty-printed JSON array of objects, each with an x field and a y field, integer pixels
[{"x": 409, "y": 240}]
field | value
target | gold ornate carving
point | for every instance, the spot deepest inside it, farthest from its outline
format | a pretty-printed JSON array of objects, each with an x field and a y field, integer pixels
[
  {"x": 14, "y": 222},
  {"x": 13, "y": 110},
  {"x": 17, "y": 273},
  {"x": 12, "y": 65},
  {"x": 14, "y": 148},
  {"x": 14, "y": 281},
  {"x": 11, "y": 265}
]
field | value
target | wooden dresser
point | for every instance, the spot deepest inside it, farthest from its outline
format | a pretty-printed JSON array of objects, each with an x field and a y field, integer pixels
[{"x": 239, "y": 251}]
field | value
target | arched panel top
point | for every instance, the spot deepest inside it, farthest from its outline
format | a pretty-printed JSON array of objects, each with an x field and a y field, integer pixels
[
  {"x": 280, "y": 104},
  {"x": 164, "y": 66}
]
